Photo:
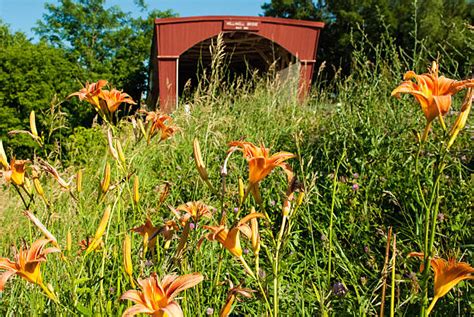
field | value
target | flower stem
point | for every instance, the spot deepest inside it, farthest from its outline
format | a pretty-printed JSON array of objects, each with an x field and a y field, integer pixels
[
  {"x": 50, "y": 294},
  {"x": 428, "y": 311},
  {"x": 246, "y": 267},
  {"x": 275, "y": 266},
  {"x": 333, "y": 202},
  {"x": 394, "y": 257},
  {"x": 430, "y": 226}
]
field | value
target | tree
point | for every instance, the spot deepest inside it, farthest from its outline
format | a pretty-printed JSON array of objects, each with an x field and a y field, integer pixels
[
  {"x": 425, "y": 29},
  {"x": 297, "y": 9},
  {"x": 31, "y": 75},
  {"x": 107, "y": 42}
]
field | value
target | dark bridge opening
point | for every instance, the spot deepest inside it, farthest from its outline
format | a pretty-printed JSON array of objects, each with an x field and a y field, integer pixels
[{"x": 244, "y": 53}]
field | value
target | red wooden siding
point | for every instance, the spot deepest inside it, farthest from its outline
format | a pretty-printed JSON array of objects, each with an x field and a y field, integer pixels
[{"x": 174, "y": 36}]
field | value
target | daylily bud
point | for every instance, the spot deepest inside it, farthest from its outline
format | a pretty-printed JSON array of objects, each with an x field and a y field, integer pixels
[
  {"x": 105, "y": 183},
  {"x": 300, "y": 199},
  {"x": 142, "y": 128},
  {"x": 255, "y": 237},
  {"x": 225, "y": 311},
  {"x": 120, "y": 152},
  {"x": 79, "y": 181},
  {"x": 145, "y": 243},
  {"x": 199, "y": 162},
  {"x": 68, "y": 241},
  {"x": 462, "y": 118},
  {"x": 38, "y": 187},
  {"x": 112, "y": 150},
  {"x": 28, "y": 187},
  {"x": 103, "y": 224},
  {"x": 33, "y": 124},
  {"x": 241, "y": 190},
  {"x": 136, "y": 193},
  {"x": 3, "y": 156},
  {"x": 127, "y": 256},
  {"x": 286, "y": 208}
]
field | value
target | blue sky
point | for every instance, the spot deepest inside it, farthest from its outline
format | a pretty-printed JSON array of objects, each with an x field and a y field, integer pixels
[{"x": 22, "y": 15}]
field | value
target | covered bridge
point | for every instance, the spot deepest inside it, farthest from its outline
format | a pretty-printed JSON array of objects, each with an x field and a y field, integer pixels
[{"x": 180, "y": 44}]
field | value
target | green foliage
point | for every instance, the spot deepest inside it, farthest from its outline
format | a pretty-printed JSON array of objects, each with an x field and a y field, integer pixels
[
  {"x": 32, "y": 75},
  {"x": 294, "y": 9},
  {"x": 423, "y": 28},
  {"x": 95, "y": 35},
  {"x": 371, "y": 128}
]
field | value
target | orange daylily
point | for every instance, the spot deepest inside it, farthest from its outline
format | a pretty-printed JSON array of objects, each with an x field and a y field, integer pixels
[
  {"x": 90, "y": 93},
  {"x": 159, "y": 122},
  {"x": 230, "y": 238},
  {"x": 27, "y": 265},
  {"x": 110, "y": 100},
  {"x": 261, "y": 163},
  {"x": 148, "y": 229},
  {"x": 446, "y": 275},
  {"x": 192, "y": 210},
  {"x": 16, "y": 172},
  {"x": 89, "y": 244},
  {"x": 232, "y": 296},
  {"x": 156, "y": 298},
  {"x": 433, "y": 92}
]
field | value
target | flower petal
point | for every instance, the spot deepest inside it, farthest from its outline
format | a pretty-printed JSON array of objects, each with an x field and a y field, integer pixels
[
  {"x": 183, "y": 282},
  {"x": 6, "y": 264},
  {"x": 4, "y": 278},
  {"x": 173, "y": 310},
  {"x": 133, "y": 295},
  {"x": 137, "y": 309}
]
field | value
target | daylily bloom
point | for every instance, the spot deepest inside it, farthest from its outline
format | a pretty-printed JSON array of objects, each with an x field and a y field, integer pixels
[
  {"x": 433, "y": 92},
  {"x": 446, "y": 275},
  {"x": 86, "y": 244},
  {"x": 159, "y": 123},
  {"x": 16, "y": 172},
  {"x": 156, "y": 298},
  {"x": 149, "y": 230},
  {"x": 110, "y": 100},
  {"x": 261, "y": 163},
  {"x": 193, "y": 209},
  {"x": 27, "y": 265},
  {"x": 90, "y": 93},
  {"x": 232, "y": 296},
  {"x": 230, "y": 238}
]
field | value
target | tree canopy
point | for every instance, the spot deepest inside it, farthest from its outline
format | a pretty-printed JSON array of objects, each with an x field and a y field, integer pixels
[
  {"x": 105, "y": 41},
  {"x": 421, "y": 28},
  {"x": 80, "y": 40}
]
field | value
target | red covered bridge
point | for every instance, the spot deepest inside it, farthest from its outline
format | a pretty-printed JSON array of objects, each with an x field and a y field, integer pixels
[{"x": 181, "y": 44}]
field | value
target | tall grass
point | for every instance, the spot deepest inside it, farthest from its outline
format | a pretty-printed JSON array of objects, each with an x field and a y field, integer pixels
[{"x": 354, "y": 147}]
